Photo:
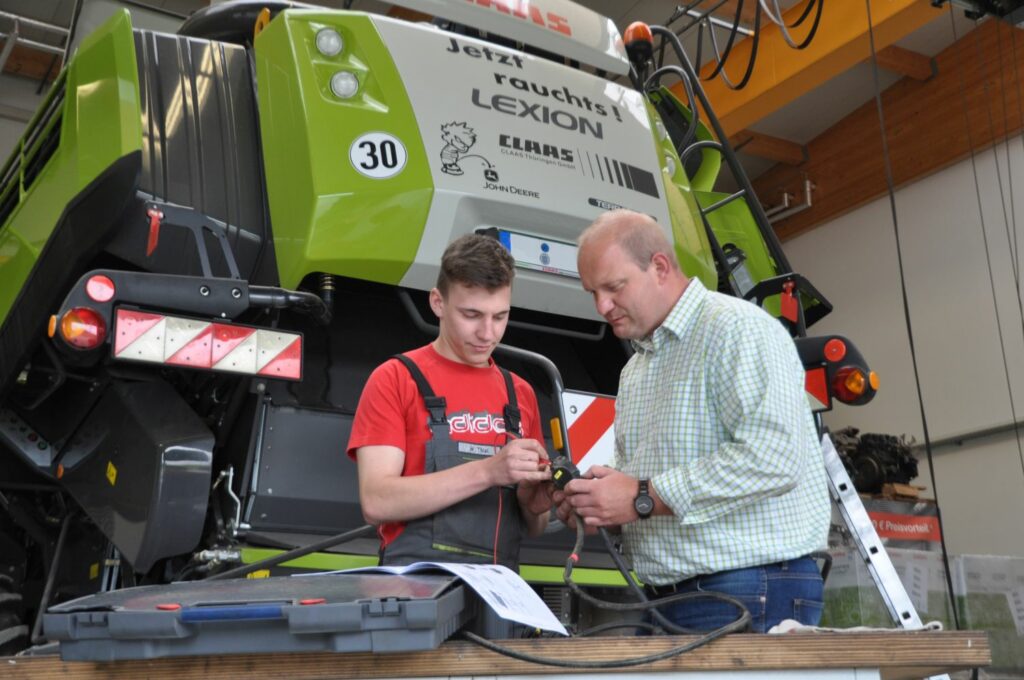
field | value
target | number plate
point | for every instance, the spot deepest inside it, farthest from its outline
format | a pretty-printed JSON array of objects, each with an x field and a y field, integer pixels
[{"x": 540, "y": 254}]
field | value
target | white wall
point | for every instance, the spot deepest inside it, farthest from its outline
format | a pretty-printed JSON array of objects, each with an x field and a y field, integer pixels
[{"x": 853, "y": 261}]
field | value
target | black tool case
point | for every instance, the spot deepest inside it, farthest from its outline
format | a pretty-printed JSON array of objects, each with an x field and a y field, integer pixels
[{"x": 329, "y": 612}]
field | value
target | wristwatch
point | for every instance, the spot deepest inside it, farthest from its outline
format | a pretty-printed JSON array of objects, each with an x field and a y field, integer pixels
[{"x": 643, "y": 503}]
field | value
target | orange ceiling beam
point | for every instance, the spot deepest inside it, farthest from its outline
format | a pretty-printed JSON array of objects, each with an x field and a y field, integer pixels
[
  {"x": 973, "y": 102},
  {"x": 905, "y": 62},
  {"x": 771, "y": 148},
  {"x": 782, "y": 74}
]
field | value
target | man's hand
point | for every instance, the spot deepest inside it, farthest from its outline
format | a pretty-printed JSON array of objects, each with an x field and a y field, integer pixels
[
  {"x": 603, "y": 498},
  {"x": 521, "y": 460},
  {"x": 534, "y": 497},
  {"x": 564, "y": 511}
]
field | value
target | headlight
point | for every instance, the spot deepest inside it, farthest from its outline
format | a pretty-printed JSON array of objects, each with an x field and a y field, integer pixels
[
  {"x": 329, "y": 42},
  {"x": 344, "y": 84}
]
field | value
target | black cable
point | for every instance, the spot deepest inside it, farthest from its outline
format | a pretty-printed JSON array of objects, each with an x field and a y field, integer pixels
[
  {"x": 1020, "y": 126},
  {"x": 643, "y": 602},
  {"x": 995, "y": 144},
  {"x": 293, "y": 554},
  {"x": 622, "y": 663},
  {"x": 1011, "y": 242},
  {"x": 729, "y": 43},
  {"x": 615, "y": 625},
  {"x": 803, "y": 17},
  {"x": 780, "y": 21},
  {"x": 681, "y": 11},
  {"x": 739, "y": 624},
  {"x": 691, "y": 99},
  {"x": 753, "y": 54},
  {"x": 1009, "y": 170},
  {"x": 890, "y": 184},
  {"x": 988, "y": 259},
  {"x": 699, "y": 20},
  {"x": 814, "y": 27}
]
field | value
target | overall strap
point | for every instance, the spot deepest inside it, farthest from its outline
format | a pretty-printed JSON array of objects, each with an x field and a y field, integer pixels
[
  {"x": 436, "y": 406},
  {"x": 511, "y": 411}
]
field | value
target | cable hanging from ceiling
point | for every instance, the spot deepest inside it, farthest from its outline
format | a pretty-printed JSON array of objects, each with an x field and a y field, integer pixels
[{"x": 701, "y": 17}]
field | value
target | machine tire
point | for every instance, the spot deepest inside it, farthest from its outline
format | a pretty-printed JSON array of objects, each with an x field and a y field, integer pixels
[{"x": 14, "y": 633}]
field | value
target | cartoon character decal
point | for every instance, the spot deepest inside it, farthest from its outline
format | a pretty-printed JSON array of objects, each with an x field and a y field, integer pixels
[{"x": 457, "y": 138}]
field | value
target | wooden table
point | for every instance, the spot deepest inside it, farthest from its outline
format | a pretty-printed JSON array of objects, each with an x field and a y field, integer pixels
[{"x": 893, "y": 655}]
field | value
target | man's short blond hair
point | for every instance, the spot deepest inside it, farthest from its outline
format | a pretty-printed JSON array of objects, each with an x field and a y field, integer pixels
[{"x": 636, "y": 233}]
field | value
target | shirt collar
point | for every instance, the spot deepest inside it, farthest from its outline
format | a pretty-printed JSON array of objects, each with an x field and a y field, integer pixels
[{"x": 679, "y": 321}]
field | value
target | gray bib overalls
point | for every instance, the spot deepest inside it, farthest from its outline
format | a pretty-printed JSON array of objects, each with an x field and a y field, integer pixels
[{"x": 482, "y": 529}]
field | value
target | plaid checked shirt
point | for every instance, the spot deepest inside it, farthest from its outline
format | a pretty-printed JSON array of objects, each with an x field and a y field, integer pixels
[{"x": 712, "y": 409}]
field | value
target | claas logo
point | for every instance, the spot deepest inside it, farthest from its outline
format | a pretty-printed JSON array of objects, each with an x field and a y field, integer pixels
[{"x": 528, "y": 11}]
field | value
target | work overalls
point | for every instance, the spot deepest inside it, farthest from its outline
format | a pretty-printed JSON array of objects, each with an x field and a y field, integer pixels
[{"x": 483, "y": 529}]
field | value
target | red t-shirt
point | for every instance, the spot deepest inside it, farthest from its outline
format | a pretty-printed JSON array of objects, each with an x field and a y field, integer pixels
[{"x": 391, "y": 411}]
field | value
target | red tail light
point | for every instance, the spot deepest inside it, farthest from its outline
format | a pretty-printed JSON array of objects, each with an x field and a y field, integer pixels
[
  {"x": 83, "y": 328},
  {"x": 849, "y": 384}
]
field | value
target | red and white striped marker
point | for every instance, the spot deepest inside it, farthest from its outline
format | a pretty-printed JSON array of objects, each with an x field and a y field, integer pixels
[
  {"x": 816, "y": 386},
  {"x": 590, "y": 422},
  {"x": 176, "y": 341}
]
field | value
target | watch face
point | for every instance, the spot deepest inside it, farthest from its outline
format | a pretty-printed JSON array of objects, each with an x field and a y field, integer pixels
[{"x": 644, "y": 505}]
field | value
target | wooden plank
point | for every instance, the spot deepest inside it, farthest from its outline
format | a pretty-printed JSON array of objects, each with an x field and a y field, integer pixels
[
  {"x": 906, "y": 62},
  {"x": 974, "y": 100},
  {"x": 765, "y": 146},
  {"x": 31, "y": 63},
  {"x": 899, "y": 654}
]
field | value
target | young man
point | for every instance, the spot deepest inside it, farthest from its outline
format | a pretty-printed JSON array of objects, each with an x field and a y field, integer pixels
[
  {"x": 448, "y": 445},
  {"x": 719, "y": 483}
]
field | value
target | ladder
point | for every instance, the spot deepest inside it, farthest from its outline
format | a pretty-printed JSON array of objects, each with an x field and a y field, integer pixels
[{"x": 869, "y": 545}]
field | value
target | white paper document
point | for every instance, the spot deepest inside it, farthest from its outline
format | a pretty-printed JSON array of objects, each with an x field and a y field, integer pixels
[{"x": 501, "y": 588}]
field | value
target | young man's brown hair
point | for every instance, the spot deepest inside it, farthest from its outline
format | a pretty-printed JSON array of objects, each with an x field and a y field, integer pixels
[{"x": 475, "y": 260}]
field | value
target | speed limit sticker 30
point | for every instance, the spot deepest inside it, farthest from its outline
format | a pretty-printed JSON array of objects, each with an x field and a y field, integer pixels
[{"x": 378, "y": 155}]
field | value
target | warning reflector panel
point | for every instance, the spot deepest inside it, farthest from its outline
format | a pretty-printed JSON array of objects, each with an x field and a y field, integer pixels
[
  {"x": 816, "y": 386},
  {"x": 194, "y": 343},
  {"x": 590, "y": 422}
]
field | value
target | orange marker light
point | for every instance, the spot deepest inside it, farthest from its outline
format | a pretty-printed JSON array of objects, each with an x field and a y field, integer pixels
[
  {"x": 873, "y": 380},
  {"x": 51, "y": 328},
  {"x": 83, "y": 328},
  {"x": 849, "y": 384},
  {"x": 639, "y": 42},
  {"x": 556, "y": 433}
]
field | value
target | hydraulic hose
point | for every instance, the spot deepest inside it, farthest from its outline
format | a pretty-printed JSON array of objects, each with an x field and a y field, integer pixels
[{"x": 267, "y": 297}]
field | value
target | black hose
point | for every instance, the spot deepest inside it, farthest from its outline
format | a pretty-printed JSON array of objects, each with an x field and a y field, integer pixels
[
  {"x": 267, "y": 297},
  {"x": 293, "y": 554}
]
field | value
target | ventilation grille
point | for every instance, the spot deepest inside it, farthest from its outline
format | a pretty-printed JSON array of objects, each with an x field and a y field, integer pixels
[{"x": 33, "y": 151}]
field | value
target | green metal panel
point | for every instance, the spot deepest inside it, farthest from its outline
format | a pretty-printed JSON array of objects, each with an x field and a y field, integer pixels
[
  {"x": 692, "y": 246},
  {"x": 99, "y": 123},
  {"x": 734, "y": 223},
  {"x": 335, "y": 561},
  {"x": 316, "y": 561},
  {"x": 327, "y": 216},
  {"x": 711, "y": 160}
]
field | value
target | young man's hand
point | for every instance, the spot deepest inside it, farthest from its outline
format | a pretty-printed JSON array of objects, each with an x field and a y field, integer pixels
[
  {"x": 534, "y": 497},
  {"x": 521, "y": 460}
]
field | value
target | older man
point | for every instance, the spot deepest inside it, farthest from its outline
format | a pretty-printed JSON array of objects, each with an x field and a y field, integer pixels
[{"x": 719, "y": 483}]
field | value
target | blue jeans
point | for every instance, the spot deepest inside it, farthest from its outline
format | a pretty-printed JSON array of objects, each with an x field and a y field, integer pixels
[{"x": 773, "y": 592}]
